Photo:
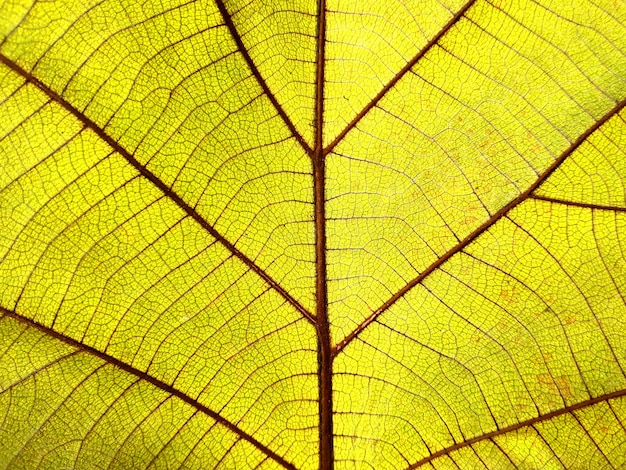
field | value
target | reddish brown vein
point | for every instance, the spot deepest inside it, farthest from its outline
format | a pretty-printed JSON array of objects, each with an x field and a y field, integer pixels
[
  {"x": 399, "y": 75},
  {"x": 522, "y": 424},
  {"x": 255, "y": 71},
  {"x": 324, "y": 346},
  {"x": 171, "y": 194},
  {"x": 584, "y": 205},
  {"x": 150, "y": 379},
  {"x": 476, "y": 233}
]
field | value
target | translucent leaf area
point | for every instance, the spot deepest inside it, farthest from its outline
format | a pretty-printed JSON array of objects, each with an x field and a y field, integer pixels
[{"x": 312, "y": 234}]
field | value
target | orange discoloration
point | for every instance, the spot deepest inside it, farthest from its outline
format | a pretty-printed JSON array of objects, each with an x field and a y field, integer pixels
[{"x": 559, "y": 385}]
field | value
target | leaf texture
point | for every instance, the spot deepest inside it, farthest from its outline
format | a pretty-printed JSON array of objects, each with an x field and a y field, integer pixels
[{"x": 302, "y": 234}]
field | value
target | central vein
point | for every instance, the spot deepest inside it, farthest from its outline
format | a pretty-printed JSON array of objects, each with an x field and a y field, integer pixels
[{"x": 324, "y": 349}]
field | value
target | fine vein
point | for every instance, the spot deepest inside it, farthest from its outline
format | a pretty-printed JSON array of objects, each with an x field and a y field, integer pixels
[
  {"x": 490, "y": 222},
  {"x": 522, "y": 424},
  {"x": 150, "y": 379},
  {"x": 169, "y": 192},
  {"x": 584, "y": 205},
  {"x": 459, "y": 14},
  {"x": 255, "y": 71}
]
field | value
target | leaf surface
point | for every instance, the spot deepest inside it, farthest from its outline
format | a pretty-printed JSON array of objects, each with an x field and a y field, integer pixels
[{"x": 312, "y": 234}]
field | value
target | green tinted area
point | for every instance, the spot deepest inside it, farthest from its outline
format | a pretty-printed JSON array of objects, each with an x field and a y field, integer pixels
[
  {"x": 458, "y": 137},
  {"x": 531, "y": 295},
  {"x": 68, "y": 409},
  {"x": 152, "y": 77},
  {"x": 589, "y": 438},
  {"x": 368, "y": 44},
  {"x": 280, "y": 37},
  {"x": 596, "y": 172},
  {"x": 99, "y": 254}
]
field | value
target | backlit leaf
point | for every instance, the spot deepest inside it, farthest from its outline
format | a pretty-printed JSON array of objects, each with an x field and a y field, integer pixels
[{"x": 312, "y": 234}]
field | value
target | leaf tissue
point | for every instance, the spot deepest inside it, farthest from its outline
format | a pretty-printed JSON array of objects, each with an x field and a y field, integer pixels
[{"x": 299, "y": 234}]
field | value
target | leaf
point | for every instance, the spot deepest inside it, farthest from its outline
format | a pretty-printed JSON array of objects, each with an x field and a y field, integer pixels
[{"x": 297, "y": 235}]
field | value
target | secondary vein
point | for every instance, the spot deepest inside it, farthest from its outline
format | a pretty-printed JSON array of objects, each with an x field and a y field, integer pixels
[{"x": 167, "y": 191}]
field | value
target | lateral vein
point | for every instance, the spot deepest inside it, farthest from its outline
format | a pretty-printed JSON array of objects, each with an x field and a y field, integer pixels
[
  {"x": 522, "y": 424},
  {"x": 150, "y": 379},
  {"x": 259, "y": 78},
  {"x": 168, "y": 192},
  {"x": 459, "y": 14},
  {"x": 486, "y": 225}
]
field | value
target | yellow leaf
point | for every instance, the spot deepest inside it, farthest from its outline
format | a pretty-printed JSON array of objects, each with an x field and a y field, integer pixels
[{"x": 312, "y": 234}]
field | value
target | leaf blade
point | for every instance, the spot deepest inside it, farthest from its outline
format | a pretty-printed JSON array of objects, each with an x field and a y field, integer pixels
[{"x": 178, "y": 220}]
